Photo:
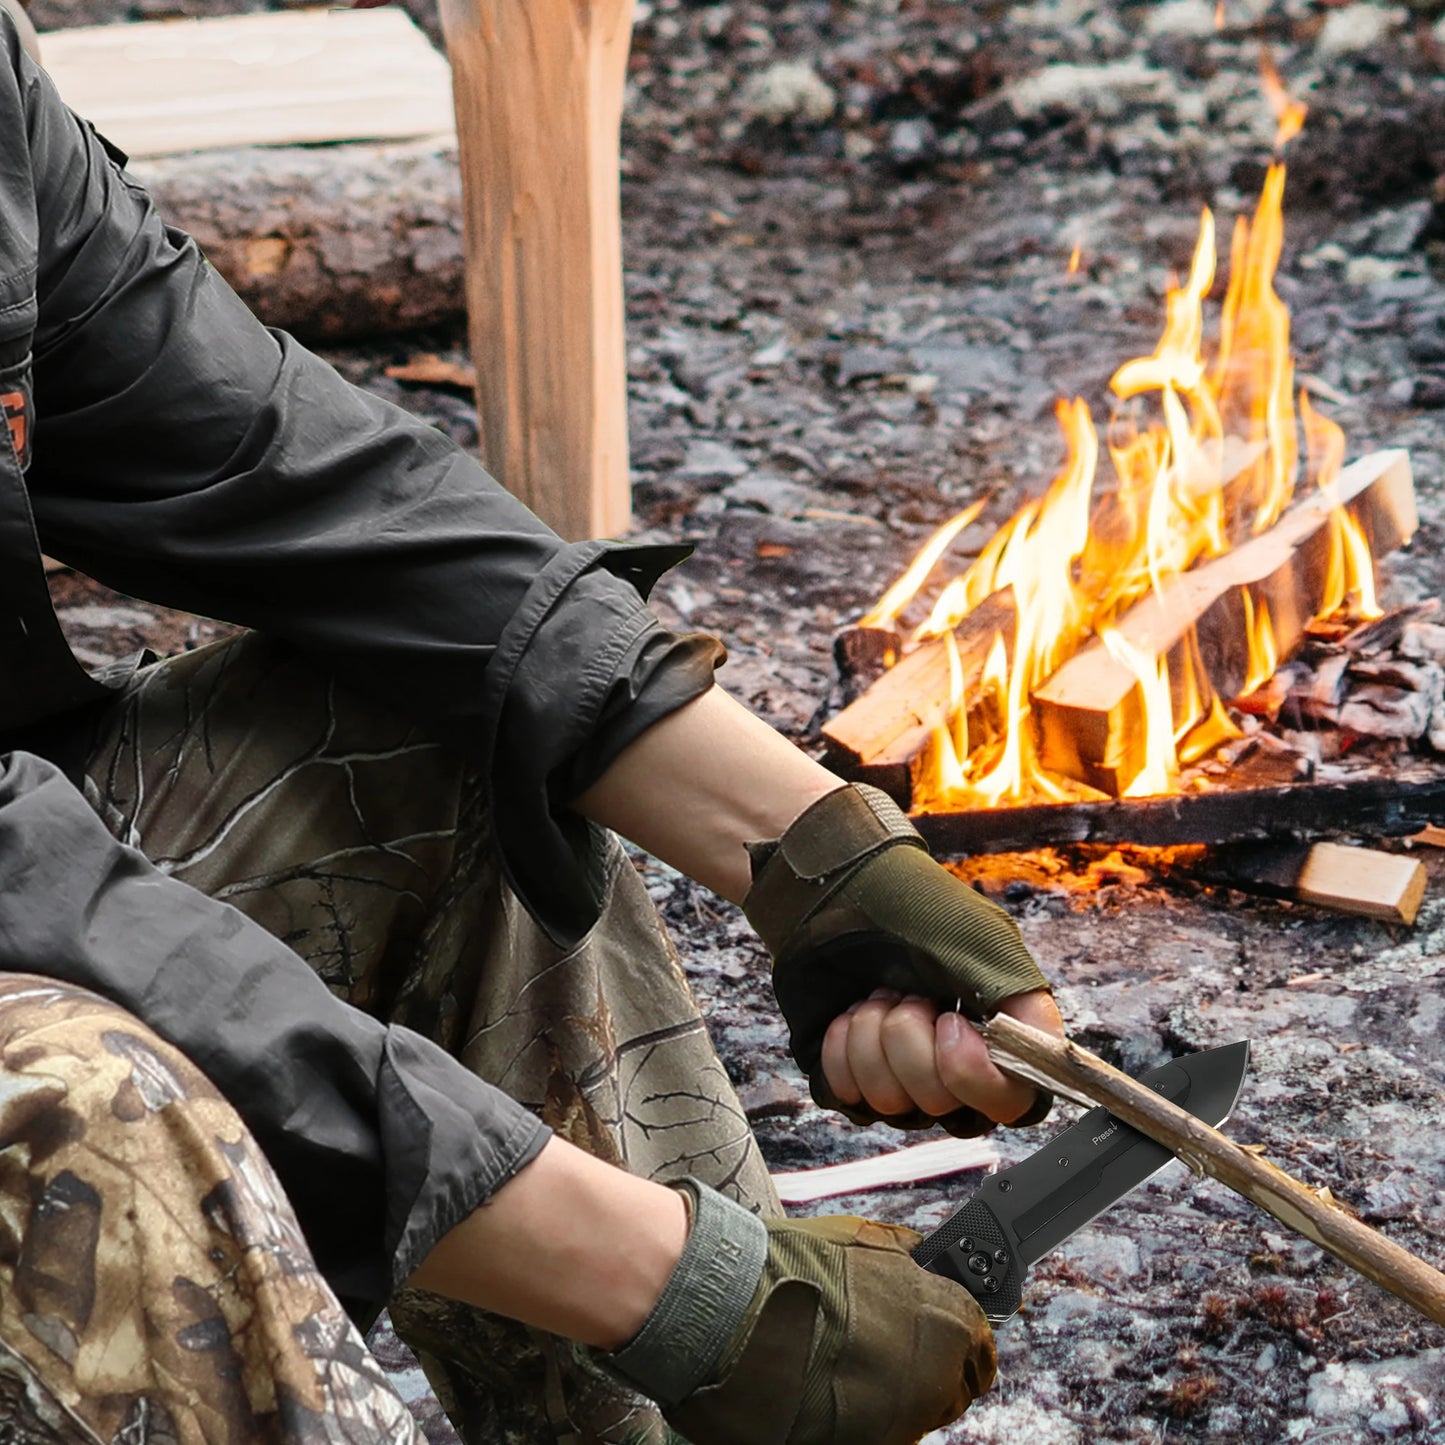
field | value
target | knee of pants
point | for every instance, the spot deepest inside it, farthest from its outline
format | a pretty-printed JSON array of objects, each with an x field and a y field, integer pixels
[{"x": 75, "y": 1066}]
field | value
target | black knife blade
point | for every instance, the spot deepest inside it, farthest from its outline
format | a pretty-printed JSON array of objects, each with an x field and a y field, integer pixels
[{"x": 1022, "y": 1212}]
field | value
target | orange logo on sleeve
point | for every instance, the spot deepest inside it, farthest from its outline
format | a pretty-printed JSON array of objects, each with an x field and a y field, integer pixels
[{"x": 13, "y": 403}]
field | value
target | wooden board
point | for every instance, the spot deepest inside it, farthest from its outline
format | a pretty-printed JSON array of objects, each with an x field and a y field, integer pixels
[
  {"x": 539, "y": 86},
  {"x": 295, "y": 77},
  {"x": 1090, "y": 712},
  {"x": 1366, "y": 806}
]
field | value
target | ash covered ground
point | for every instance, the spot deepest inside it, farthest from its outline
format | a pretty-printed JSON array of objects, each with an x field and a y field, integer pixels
[{"x": 847, "y": 228}]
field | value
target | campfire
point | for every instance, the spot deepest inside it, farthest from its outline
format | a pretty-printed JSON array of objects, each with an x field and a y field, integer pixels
[{"x": 1183, "y": 628}]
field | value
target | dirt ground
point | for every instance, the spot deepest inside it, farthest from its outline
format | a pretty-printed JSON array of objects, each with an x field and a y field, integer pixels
[{"x": 849, "y": 311}]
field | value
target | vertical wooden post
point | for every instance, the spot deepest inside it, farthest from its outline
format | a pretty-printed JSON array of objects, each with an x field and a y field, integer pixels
[{"x": 538, "y": 88}]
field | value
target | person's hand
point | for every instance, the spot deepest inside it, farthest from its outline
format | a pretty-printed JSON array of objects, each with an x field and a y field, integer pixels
[
  {"x": 849, "y": 901},
  {"x": 806, "y": 1332},
  {"x": 893, "y": 1055}
]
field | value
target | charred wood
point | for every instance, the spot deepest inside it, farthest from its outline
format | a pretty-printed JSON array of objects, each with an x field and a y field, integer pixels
[{"x": 1369, "y": 805}]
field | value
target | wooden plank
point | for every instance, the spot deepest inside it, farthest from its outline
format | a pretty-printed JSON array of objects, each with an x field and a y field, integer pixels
[
  {"x": 1366, "y": 806},
  {"x": 1365, "y": 881},
  {"x": 1090, "y": 712},
  {"x": 538, "y": 87},
  {"x": 880, "y": 736},
  {"x": 295, "y": 77}
]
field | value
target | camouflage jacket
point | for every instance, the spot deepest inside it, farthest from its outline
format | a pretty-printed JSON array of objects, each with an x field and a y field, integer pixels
[{"x": 160, "y": 439}]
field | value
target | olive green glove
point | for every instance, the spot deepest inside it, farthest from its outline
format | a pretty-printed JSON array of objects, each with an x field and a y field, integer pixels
[
  {"x": 849, "y": 900},
  {"x": 805, "y": 1332}
]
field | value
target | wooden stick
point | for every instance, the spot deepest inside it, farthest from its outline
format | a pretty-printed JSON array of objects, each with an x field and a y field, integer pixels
[
  {"x": 538, "y": 88},
  {"x": 1090, "y": 712},
  {"x": 1072, "y": 1069}
]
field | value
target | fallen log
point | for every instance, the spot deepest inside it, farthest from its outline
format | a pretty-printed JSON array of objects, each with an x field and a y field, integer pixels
[
  {"x": 1069, "y": 1069},
  {"x": 1368, "y": 805},
  {"x": 1090, "y": 712},
  {"x": 880, "y": 737},
  {"x": 329, "y": 242}
]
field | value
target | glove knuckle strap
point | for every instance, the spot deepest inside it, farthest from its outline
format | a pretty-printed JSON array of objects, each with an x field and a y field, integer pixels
[{"x": 799, "y": 872}]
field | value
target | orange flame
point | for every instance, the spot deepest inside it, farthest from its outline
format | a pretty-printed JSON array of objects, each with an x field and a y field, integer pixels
[
  {"x": 1289, "y": 114},
  {"x": 1205, "y": 451},
  {"x": 1075, "y": 257},
  {"x": 898, "y": 596}
]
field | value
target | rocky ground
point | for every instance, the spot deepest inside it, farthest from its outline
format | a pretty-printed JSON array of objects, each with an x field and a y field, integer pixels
[{"x": 847, "y": 224}]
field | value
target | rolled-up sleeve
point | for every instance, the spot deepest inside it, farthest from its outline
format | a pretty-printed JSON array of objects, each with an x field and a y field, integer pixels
[
  {"x": 186, "y": 454},
  {"x": 382, "y": 1140}
]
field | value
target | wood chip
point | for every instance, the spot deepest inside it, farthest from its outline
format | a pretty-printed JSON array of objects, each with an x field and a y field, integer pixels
[
  {"x": 431, "y": 370},
  {"x": 934, "y": 1160}
]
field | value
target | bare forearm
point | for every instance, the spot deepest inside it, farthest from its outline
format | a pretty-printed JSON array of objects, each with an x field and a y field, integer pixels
[
  {"x": 570, "y": 1244},
  {"x": 702, "y": 782}
]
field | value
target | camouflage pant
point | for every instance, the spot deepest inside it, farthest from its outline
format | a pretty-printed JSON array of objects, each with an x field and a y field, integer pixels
[{"x": 364, "y": 844}]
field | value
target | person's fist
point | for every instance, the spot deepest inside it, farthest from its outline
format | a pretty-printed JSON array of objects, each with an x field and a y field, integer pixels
[
  {"x": 892, "y": 1056},
  {"x": 849, "y": 901}
]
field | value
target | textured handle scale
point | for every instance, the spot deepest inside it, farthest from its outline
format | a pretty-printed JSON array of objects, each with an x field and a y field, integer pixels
[{"x": 970, "y": 1247}]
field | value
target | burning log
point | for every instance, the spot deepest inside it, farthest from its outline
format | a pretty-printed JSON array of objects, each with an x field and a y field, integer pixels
[
  {"x": 1090, "y": 713},
  {"x": 1072, "y": 1070},
  {"x": 881, "y": 735}
]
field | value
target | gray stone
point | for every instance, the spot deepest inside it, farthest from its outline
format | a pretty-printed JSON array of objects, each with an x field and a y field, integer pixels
[
  {"x": 706, "y": 458},
  {"x": 769, "y": 494}
]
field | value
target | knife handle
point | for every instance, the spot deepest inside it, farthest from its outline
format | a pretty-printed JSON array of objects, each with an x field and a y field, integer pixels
[{"x": 971, "y": 1248}]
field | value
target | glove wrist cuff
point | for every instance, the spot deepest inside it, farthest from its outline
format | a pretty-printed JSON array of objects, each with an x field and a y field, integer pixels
[
  {"x": 793, "y": 874},
  {"x": 702, "y": 1306}
]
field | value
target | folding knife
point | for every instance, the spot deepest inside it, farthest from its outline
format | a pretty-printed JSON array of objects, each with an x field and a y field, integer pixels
[{"x": 1022, "y": 1212}]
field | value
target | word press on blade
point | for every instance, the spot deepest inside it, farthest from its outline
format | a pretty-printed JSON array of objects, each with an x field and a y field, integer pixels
[{"x": 1019, "y": 1214}]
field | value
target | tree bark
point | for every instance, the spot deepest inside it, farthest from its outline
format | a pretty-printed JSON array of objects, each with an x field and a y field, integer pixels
[{"x": 329, "y": 242}]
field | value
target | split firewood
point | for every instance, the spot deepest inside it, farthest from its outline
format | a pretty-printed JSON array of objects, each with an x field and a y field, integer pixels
[
  {"x": 880, "y": 737},
  {"x": 1090, "y": 712},
  {"x": 1365, "y": 881},
  {"x": 1069, "y": 1069},
  {"x": 933, "y": 1160},
  {"x": 539, "y": 89}
]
